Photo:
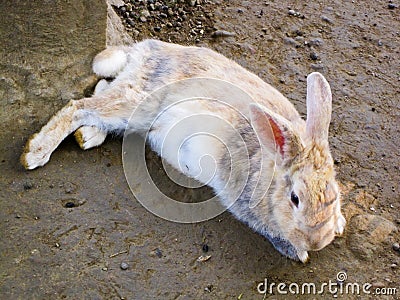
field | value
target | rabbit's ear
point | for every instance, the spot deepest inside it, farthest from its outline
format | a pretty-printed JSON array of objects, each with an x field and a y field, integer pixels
[
  {"x": 319, "y": 107},
  {"x": 274, "y": 132}
]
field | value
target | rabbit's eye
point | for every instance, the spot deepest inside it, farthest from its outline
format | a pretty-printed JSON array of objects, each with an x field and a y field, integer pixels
[{"x": 295, "y": 199}]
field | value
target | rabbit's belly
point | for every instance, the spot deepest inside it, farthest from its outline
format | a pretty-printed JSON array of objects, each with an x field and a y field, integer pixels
[{"x": 191, "y": 140}]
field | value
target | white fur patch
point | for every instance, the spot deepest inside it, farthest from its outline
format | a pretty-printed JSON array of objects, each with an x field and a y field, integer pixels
[
  {"x": 90, "y": 136},
  {"x": 110, "y": 62}
]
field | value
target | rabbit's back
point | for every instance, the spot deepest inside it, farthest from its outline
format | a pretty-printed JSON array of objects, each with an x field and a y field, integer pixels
[{"x": 153, "y": 64}]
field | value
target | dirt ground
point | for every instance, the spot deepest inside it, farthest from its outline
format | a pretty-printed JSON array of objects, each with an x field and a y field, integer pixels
[{"x": 66, "y": 228}]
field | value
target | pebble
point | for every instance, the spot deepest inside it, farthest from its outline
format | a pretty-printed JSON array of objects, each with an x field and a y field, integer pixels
[
  {"x": 313, "y": 56},
  {"x": 145, "y": 13},
  {"x": 222, "y": 33},
  {"x": 203, "y": 258},
  {"x": 205, "y": 248},
  {"x": 294, "y": 13},
  {"x": 326, "y": 19},
  {"x": 317, "y": 66},
  {"x": 315, "y": 42},
  {"x": 156, "y": 252},
  {"x": 392, "y": 6},
  {"x": 143, "y": 19},
  {"x": 379, "y": 284},
  {"x": 289, "y": 41},
  {"x": 396, "y": 247},
  {"x": 209, "y": 288},
  {"x": 124, "y": 266}
]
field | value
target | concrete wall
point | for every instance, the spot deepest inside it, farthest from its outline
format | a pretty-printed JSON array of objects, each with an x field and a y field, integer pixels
[{"x": 46, "y": 49}]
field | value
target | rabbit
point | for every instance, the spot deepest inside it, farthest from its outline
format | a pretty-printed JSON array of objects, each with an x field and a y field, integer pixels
[{"x": 297, "y": 207}]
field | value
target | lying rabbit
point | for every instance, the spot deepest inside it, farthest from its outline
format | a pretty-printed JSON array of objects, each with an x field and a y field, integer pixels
[{"x": 298, "y": 209}]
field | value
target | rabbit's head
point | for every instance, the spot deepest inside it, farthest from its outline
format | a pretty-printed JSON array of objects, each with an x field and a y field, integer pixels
[{"x": 305, "y": 202}]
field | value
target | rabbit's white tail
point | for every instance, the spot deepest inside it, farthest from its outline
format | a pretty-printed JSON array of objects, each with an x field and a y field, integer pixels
[{"x": 110, "y": 62}]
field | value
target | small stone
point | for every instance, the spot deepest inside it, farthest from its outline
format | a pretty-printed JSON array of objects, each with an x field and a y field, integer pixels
[
  {"x": 143, "y": 19},
  {"x": 104, "y": 269},
  {"x": 205, "y": 248},
  {"x": 128, "y": 7},
  {"x": 203, "y": 258},
  {"x": 291, "y": 12},
  {"x": 380, "y": 43},
  {"x": 379, "y": 284},
  {"x": 145, "y": 13},
  {"x": 317, "y": 66},
  {"x": 156, "y": 252},
  {"x": 393, "y": 266},
  {"x": 290, "y": 41},
  {"x": 326, "y": 19},
  {"x": 135, "y": 32},
  {"x": 209, "y": 288},
  {"x": 124, "y": 266},
  {"x": 315, "y": 42},
  {"x": 130, "y": 22},
  {"x": 396, "y": 247},
  {"x": 222, "y": 33},
  {"x": 313, "y": 56},
  {"x": 392, "y": 6},
  {"x": 157, "y": 29},
  {"x": 69, "y": 188}
]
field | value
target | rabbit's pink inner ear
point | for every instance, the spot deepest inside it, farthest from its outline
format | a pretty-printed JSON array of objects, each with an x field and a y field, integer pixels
[
  {"x": 278, "y": 134},
  {"x": 268, "y": 131}
]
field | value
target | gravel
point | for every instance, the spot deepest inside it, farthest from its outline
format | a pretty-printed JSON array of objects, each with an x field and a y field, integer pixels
[{"x": 181, "y": 20}]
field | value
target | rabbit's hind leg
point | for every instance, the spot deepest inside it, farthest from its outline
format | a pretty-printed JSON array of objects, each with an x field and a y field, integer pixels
[
  {"x": 90, "y": 136},
  {"x": 109, "y": 111}
]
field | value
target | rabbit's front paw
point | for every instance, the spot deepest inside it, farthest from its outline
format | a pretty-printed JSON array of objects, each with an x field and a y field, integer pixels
[
  {"x": 89, "y": 136},
  {"x": 340, "y": 224},
  {"x": 36, "y": 153},
  {"x": 303, "y": 256}
]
